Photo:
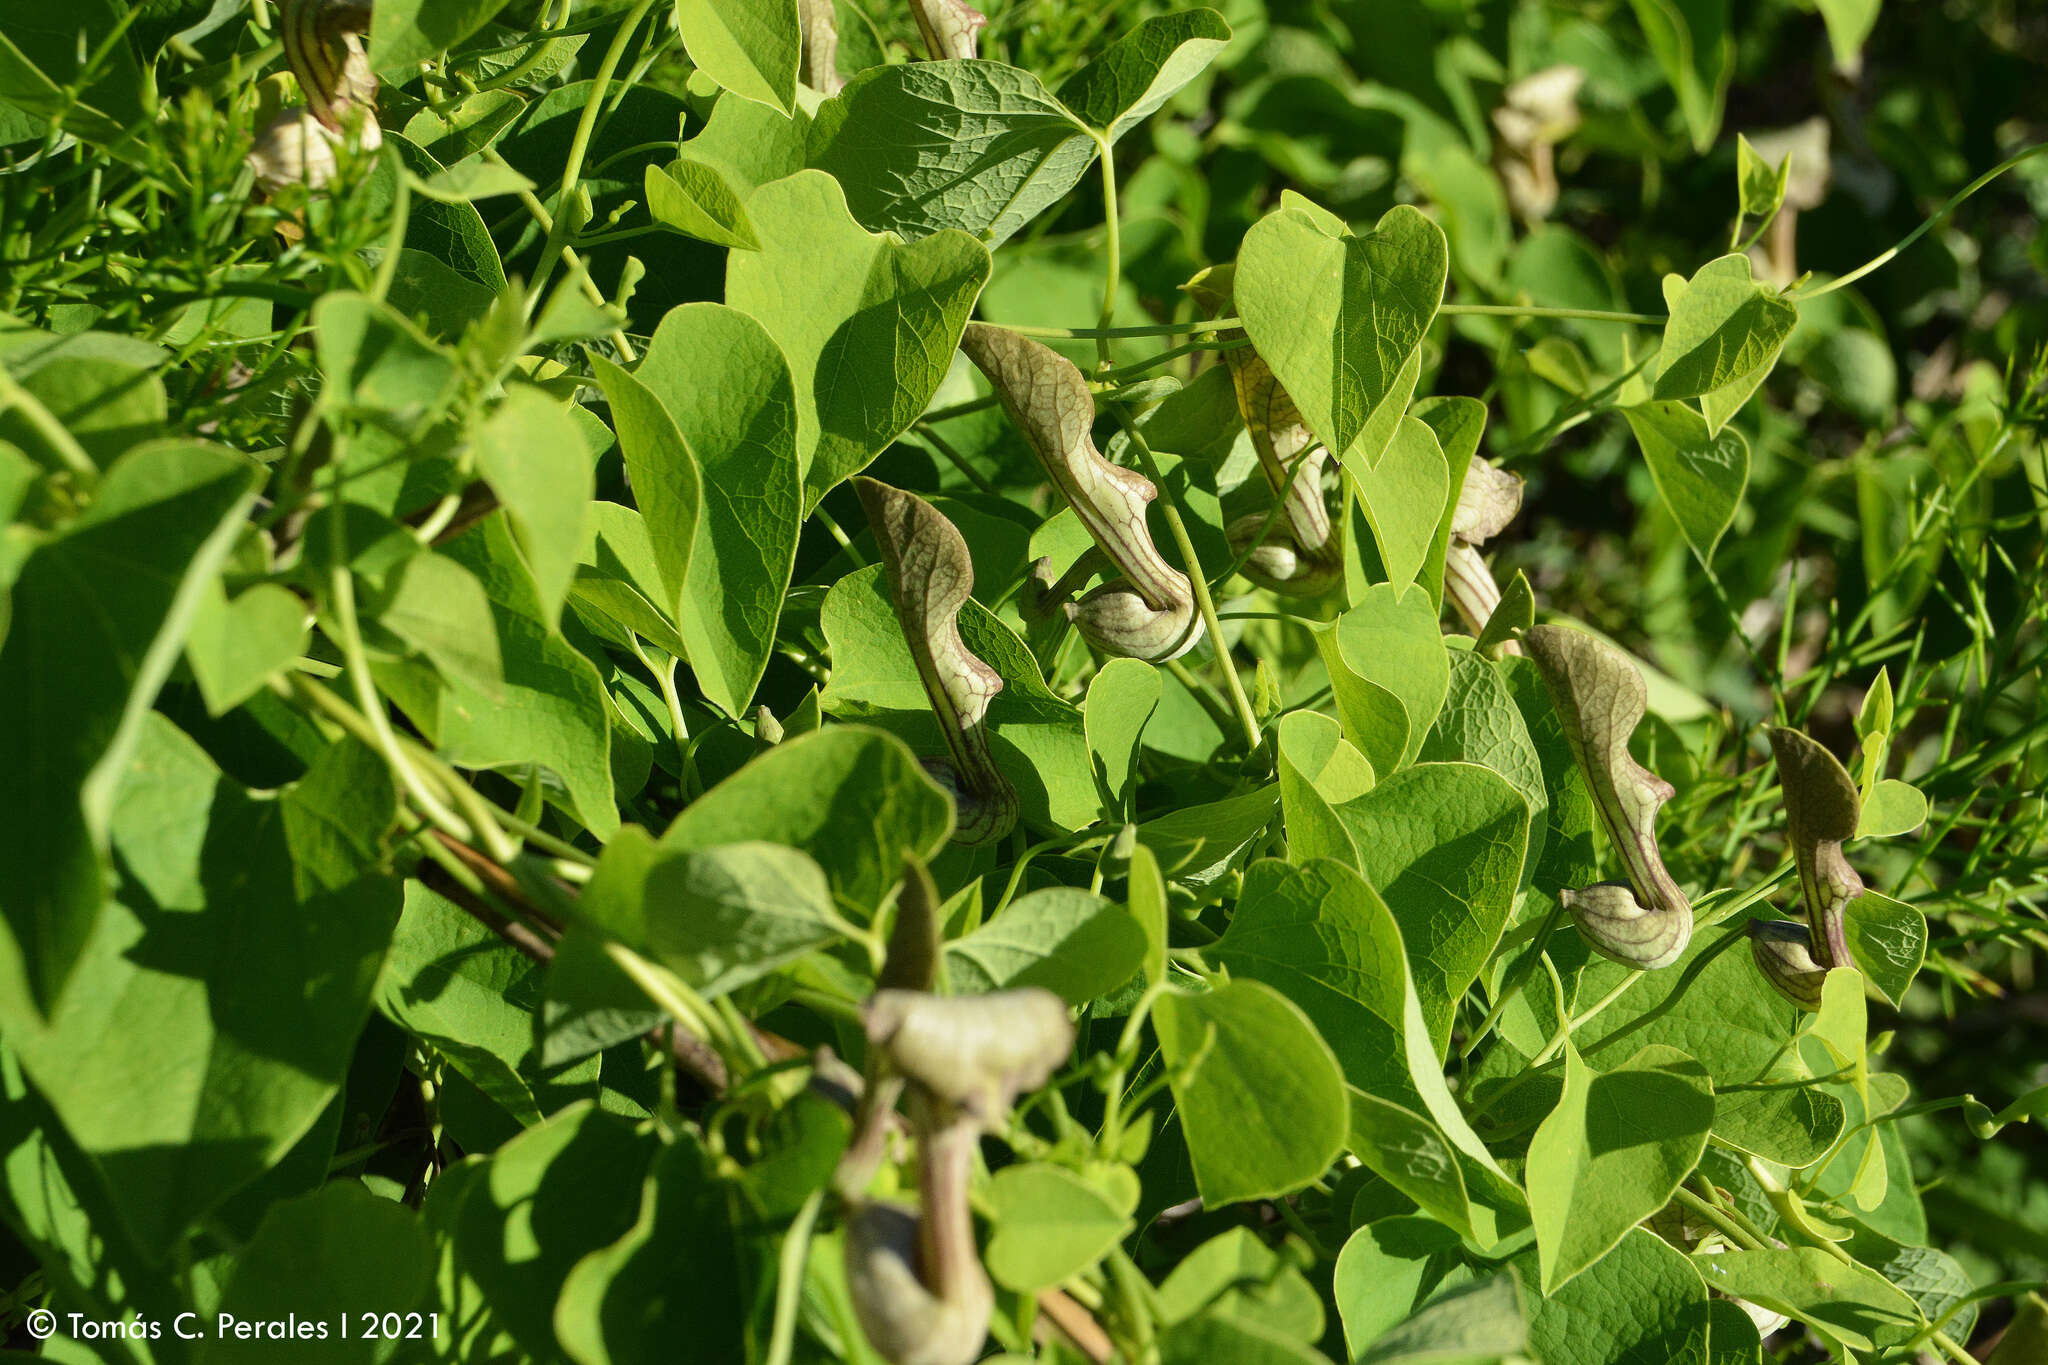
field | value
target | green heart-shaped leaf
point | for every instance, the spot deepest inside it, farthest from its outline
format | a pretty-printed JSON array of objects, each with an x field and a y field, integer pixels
[
  {"x": 1612, "y": 1152},
  {"x": 1337, "y": 315},
  {"x": 1699, "y": 474},
  {"x": 235, "y": 645},
  {"x": 751, "y": 47},
  {"x": 1254, "y": 1130},
  {"x": 868, "y": 324},
  {"x": 1141, "y": 70},
  {"x": 925, "y": 146}
]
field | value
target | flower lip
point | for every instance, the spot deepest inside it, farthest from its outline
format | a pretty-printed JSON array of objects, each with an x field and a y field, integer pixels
[{"x": 975, "y": 1052}]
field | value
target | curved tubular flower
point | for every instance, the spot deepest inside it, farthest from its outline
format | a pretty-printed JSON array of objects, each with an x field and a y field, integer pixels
[
  {"x": 930, "y": 576},
  {"x": 1783, "y": 952},
  {"x": 1487, "y": 502},
  {"x": 951, "y": 28},
  {"x": 911, "y": 962},
  {"x": 1600, "y": 699},
  {"x": 1150, "y": 614},
  {"x": 1536, "y": 113},
  {"x": 323, "y": 45},
  {"x": 1303, "y": 555},
  {"x": 907, "y": 1320},
  {"x": 917, "y": 1283},
  {"x": 974, "y": 1053},
  {"x": 1822, "y": 808},
  {"x": 1609, "y": 916},
  {"x": 820, "y": 25}
]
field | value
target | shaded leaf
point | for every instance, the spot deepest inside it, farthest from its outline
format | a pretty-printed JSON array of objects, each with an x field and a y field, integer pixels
[
  {"x": 552, "y": 709},
  {"x": 1641, "y": 1304},
  {"x": 1851, "y": 1303},
  {"x": 1320, "y": 935},
  {"x": 235, "y": 647},
  {"x": 855, "y": 799},
  {"x": 1890, "y": 809},
  {"x": 529, "y": 451},
  {"x": 1385, "y": 1268},
  {"x": 404, "y": 33},
  {"x": 540, "y": 1203},
  {"x": 1480, "y": 1320},
  {"x": 1404, "y": 496},
  {"x": 867, "y": 324},
  {"x": 1479, "y": 723},
  {"x": 1700, "y": 475},
  {"x": 233, "y": 967},
  {"x": 1121, "y": 699},
  {"x": 1389, "y": 671},
  {"x": 667, "y": 484},
  {"x": 1236, "y": 1274},
  {"x": 674, "y": 1276},
  {"x": 317, "y": 1259},
  {"x": 1696, "y": 53},
  {"x": 1444, "y": 844},
  {"x": 99, "y": 614},
  {"x": 1888, "y": 941},
  {"x": 926, "y": 146},
  {"x": 723, "y": 380},
  {"x": 716, "y": 917},
  {"x": 1611, "y": 1153}
]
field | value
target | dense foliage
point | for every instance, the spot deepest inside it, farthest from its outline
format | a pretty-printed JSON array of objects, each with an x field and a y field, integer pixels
[{"x": 844, "y": 680}]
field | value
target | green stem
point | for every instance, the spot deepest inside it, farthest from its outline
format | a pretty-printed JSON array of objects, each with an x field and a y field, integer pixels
[
  {"x": 1175, "y": 353},
  {"x": 537, "y": 51},
  {"x": 1509, "y": 310},
  {"x": 1137, "y": 1299},
  {"x": 1543, "y": 1060},
  {"x": 342, "y": 587},
  {"x": 1169, "y": 508},
  {"x": 1726, "y": 1225},
  {"x": 539, "y": 211},
  {"x": 789, "y": 1279},
  {"x": 685, "y": 1006},
  {"x": 959, "y": 461},
  {"x": 972, "y": 405},
  {"x": 1299, "y": 1225},
  {"x": 1512, "y": 990},
  {"x": 1954, "y": 1349},
  {"x": 1204, "y": 692},
  {"x": 1110, "y": 1140},
  {"x": 1113, "y": 252},
  {"x": 1955, "y": 202},
  {"x": 1156, "y": 329},
  {"x": 579, "y": 147},
  {"x": 394, "y": 246},
  {"x": 1309, "y": 622}
]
